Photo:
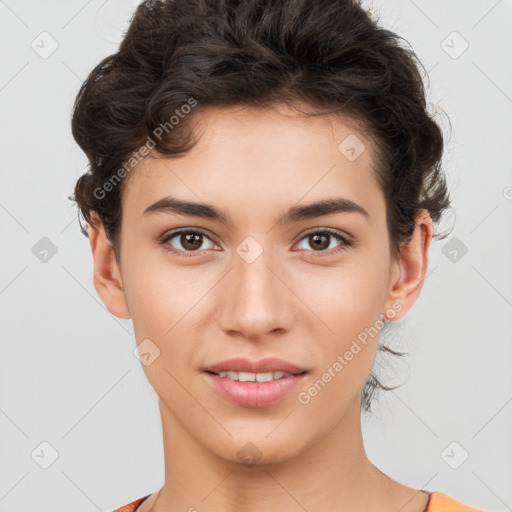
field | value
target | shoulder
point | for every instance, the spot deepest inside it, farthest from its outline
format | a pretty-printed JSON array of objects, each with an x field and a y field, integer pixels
[
  {"x": 131, "y": 507},
  {"x": 441, "y": 502}
]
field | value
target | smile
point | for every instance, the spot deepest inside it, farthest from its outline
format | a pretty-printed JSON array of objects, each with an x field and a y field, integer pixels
[
  {"x": 254, "y": 377},
  {"x": 254, "y": 389}
]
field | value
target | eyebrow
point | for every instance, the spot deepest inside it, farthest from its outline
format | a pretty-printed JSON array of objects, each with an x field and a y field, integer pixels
[{"x": 296, "y": 213}]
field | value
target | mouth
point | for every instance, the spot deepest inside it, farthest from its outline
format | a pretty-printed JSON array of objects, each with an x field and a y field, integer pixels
[
  {"x": 254, "y": 389},
  {"x": 255, "y": 377},
  {"x": 254, "y": 383},
  {"x": 247, "y": 367}
]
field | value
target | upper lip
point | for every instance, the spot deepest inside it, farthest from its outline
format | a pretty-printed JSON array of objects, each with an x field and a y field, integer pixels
[{"x": 269, "y": 364}]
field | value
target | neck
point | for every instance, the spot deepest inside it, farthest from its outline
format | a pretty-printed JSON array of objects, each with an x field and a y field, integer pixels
[{"x": 333, "y": 474}]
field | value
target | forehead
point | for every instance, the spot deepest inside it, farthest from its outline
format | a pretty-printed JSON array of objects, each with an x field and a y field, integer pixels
[{"x": 253, "y": 158}]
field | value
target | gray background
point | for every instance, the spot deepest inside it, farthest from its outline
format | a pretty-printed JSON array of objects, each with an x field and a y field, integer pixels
[{"x": 68, "y": 374}]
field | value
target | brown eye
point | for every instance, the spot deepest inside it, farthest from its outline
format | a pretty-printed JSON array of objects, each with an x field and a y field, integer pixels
[
  {"x": 191, "y": 241},
  {"x": 186, "y": 242},
  {"x": 321, "y": 241}
]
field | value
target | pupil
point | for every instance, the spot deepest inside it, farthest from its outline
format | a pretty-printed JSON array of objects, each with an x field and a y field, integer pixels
[
  {"x": 189, "y": 240},
  {"x": 317, "y": 238}
]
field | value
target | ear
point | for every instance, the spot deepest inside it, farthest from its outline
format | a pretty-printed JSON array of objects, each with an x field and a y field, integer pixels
[
  {"x": 410, "y": 268},
  {"x": 107, "y": 277}
]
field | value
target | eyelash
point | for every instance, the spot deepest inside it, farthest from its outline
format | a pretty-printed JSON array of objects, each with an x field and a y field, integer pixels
[{"x": 345, "y": 242}]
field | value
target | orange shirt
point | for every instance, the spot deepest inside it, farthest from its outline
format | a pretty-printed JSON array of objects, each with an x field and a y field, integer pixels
[{"x": 438, "y": 502}]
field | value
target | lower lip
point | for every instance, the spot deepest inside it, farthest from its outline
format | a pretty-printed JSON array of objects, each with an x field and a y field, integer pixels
[{"x": 254, "y": 394}]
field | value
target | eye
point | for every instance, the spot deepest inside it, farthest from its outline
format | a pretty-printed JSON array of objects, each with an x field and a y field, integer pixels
[
  {"x": 190, "y": 241},
  {"x": 321, "y": 241}
]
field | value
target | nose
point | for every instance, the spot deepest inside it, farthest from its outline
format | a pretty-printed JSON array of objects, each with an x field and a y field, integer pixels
[{"x": 256, "y": 300}]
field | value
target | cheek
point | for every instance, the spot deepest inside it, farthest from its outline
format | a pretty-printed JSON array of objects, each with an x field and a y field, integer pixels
[
  {"x": 158, "y": 293},
  {"x": 347, "y": 350},
  {"x": 348, "y": 303},
  {"x": 346, "y": 299},
  {"x": 165, "y": 303}
]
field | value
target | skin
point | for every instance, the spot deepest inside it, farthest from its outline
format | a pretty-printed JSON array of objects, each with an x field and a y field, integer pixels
[{"x": 254, "y": 164}]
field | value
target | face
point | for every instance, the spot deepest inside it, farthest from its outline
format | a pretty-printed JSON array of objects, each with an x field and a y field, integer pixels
[{"x": 309, "y": 288}]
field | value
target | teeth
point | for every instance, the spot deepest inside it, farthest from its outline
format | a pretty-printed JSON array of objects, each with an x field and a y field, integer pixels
[{"x": 254, "y": 377}]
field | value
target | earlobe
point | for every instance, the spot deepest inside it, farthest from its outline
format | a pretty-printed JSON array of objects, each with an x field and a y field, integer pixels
[
  {"x": 412, "y": 266},
  {"x": 107, "y": 277}
]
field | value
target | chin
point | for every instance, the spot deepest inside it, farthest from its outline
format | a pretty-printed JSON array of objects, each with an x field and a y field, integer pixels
[{"x": 258, "y": 449}]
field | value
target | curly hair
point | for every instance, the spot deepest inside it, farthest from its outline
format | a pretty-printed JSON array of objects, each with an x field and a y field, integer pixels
[{"x": 330, "y": 54}]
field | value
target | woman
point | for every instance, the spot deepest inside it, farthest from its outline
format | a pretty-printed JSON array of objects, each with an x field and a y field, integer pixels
[{"x": 264, "y": 181}]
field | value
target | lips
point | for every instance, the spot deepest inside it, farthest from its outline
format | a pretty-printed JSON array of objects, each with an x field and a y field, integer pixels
[
  {"x": 254, "y": 389},
  {"x": 254, "y": 394},
  {"x": 269, "y": 364}
]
